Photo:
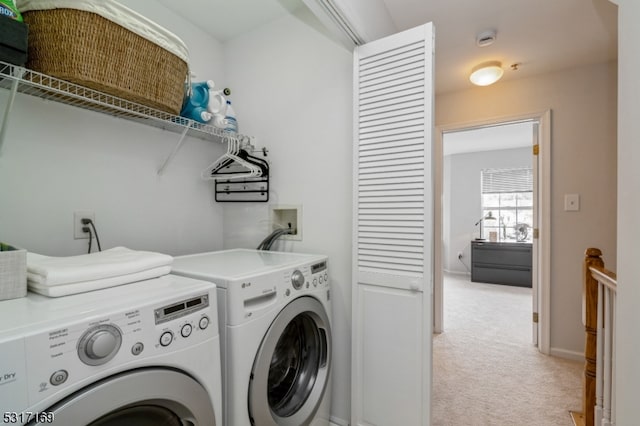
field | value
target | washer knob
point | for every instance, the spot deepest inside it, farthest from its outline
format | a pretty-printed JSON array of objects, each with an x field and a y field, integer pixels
[
  {"x": 59, "y": 377},
  {"x": 186, "y": 330},
  {"x": 166, "y": 338},
  {"x": 203, "y": 323},
  {"x": 297, "y": 279},
  {"x": 137, "y": 348},
  {"x": 99, "y": 344}
]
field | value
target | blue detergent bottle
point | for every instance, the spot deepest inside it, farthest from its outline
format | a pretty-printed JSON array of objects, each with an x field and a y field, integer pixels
[{"x": 195, "y": 106}]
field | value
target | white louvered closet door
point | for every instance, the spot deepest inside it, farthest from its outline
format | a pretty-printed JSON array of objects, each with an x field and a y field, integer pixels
[{"x": 393, "y": 222}]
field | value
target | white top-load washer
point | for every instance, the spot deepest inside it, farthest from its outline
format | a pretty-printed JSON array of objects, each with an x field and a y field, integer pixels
[
  {"x": 146, "y": 353},
  {"x": 274, "y": 311}
]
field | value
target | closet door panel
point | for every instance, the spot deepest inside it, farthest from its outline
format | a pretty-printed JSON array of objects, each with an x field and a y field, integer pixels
[
  {"x": 392, "y": 225},
  {"x": 391, "y": 396}
]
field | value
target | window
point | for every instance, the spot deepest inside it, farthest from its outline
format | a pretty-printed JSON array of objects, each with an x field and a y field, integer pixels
[{"x": 508, "y": 195}]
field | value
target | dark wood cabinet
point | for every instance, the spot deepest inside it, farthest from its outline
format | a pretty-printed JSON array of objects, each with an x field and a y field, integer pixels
[{"x": 501, "y": 263}]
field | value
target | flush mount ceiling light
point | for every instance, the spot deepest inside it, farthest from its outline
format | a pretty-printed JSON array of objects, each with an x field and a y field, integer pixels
[{"x": 486, "y": 73}]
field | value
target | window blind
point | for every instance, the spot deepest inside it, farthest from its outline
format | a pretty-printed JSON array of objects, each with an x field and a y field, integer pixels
[{"x": 496, "y": 181}]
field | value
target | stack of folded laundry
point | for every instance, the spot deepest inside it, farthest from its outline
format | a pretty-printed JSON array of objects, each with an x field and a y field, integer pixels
[{"x": 62, "y": 276}]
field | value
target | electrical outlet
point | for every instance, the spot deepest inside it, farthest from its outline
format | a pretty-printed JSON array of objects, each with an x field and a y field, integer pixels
[
  {"x": 459, "y": 255},
  {"x": 78, "y": 233}
]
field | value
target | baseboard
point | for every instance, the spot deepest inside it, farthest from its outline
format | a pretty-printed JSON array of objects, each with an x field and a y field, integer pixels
[
  {"x": 563, "y": 353},
  {"x": 334, "y": 421}
]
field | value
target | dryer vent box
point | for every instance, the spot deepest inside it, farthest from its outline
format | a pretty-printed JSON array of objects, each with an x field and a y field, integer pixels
[{"x": 283, "y": 215}]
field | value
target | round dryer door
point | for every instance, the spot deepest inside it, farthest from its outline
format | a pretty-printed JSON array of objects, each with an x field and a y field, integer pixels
[
  {"x": 291, "y": 370},
  {"x": 142, "y": 397}
]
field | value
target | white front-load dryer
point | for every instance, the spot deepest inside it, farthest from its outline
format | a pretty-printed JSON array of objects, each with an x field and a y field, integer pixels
[
  {"x": 275, "y": 317},
  {"x": 146, "y": 353}
]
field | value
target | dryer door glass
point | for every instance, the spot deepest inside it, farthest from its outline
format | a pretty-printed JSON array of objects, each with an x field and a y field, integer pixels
[
  {"x": 141, "y": 415},
  {"x": 295, "y": 364},
  {"x": 292, "y": 367}
]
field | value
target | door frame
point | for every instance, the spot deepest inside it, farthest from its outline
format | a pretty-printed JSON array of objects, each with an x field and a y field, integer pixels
[{"x": 544, "y": 218}]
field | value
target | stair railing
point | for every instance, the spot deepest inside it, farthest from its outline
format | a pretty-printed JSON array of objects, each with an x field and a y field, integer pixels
[{"x": 599, "y": 309}]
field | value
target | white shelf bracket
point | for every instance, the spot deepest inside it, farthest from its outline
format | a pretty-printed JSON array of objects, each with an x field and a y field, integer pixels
[
  {"x": 17, "y": 72},
  {"x": 175, "y": 149}
]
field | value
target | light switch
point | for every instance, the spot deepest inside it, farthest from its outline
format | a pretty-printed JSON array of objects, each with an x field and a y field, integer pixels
[{"x": 571, "y": 202}]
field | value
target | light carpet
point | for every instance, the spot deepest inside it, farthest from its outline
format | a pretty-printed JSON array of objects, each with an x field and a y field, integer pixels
[{"x": 485, "y": 369}]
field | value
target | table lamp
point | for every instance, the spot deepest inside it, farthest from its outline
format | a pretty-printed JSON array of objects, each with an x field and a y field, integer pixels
[{"x": 488, "y": 216}]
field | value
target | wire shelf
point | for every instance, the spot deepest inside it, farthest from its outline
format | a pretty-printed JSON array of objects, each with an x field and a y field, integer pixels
[{"x": 46, "y": 87}]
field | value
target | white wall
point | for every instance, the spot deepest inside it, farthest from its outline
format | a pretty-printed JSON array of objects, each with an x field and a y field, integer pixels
[
  {"x": 463, "y": 202},
  {"x": 57, "y": 159},
  {"x": 291, "y": 88},
  {"x": 205, "y": 52},
  {"x": 583, "y": 161},
  {"x": 370, "y": 18},
  {"x": 628, "y": 337}
]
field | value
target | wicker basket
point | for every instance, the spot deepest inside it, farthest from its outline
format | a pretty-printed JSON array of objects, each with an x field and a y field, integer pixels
[
  {"x": 87, "y": 49},
  {"x": 13, "y": 272}
]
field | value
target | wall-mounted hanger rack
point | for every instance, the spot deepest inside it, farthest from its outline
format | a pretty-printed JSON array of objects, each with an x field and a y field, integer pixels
[
  {"x": 240, "y": 176},
  {"x": 248, "y": 190}
]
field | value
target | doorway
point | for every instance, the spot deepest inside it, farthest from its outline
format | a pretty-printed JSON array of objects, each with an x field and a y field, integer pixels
[{"x": 449, "y": 252}]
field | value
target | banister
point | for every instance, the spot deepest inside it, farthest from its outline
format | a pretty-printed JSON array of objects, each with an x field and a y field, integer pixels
[
  {"x": 593, "y": 258},
  {"x": 594, "y": 274},
  {"x": 605, "y": 277}
]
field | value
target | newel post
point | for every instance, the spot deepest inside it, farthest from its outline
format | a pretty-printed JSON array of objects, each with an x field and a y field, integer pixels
[{"x": 593, "y": 257}]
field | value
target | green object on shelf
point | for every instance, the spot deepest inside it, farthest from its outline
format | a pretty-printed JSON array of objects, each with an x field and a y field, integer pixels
[
  {"x": 7, "y": 247},
  {"x": 9, "y": 9}
]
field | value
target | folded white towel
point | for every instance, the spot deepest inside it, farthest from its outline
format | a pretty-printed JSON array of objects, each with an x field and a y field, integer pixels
[
  {"x": 45, "y": 271},
  {"x": 81, "y": 287}
]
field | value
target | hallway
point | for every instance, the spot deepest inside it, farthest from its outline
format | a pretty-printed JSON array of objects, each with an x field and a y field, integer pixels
[{"x": 485, "y": 369}]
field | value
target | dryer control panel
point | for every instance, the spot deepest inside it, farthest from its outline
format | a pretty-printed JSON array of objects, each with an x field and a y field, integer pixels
[
  {"x": 71, "y": 354},
  {"x": 320, "y": 274},
  {"x": 250, "y": 298}
]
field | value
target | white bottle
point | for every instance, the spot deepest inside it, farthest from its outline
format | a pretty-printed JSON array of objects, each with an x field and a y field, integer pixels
[
  {"x": 230, "y": 118},
  {"x": 206, "y": 116},
  {"x": 217, "y": 102},
  {"x": 219, "y": 121}
]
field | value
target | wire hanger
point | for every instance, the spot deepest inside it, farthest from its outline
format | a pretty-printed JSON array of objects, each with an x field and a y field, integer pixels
[{"x": 232, "y": 165}]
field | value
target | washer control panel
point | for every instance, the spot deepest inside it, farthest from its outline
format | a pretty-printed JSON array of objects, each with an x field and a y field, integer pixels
[
  {"x": 92, "y": 347},
  {"x": 181, "y": 309},
  {"x": 250, "y": 297},
  {"x": 177, "y": 319},
  {"x": 315, "y": 276},
  {"x": 320, "y": 274}
]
